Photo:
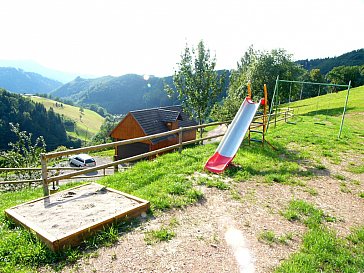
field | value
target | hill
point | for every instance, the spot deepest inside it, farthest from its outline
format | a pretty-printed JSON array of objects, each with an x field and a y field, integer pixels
[
  {"x": 33, "y": 118},
  {"x": 118, "y": 95},
  {"x": 19, "y": 81},
  {"x": 85, "y": 127},
  {"x": 31, "y": 66},
  {"x": 355, "y": 57}
]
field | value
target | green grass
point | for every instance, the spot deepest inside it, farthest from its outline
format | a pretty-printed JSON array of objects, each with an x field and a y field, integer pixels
[
  {"x": 163, "y": 234},
  {"x": 314, "y": 141},
  {"x": 322, "y": 250},
  {"x": 300, "y": 210},
  {"x": 86, "y": 127},
  {"x": 213, "y": 182},
  {"x": 159, "y": 235},
  {"x": 356, "y": 169},
  {"x": 269, "y": 237},
  {"x": 166, "y": 182},
  {"x": 105, "y": 153}
]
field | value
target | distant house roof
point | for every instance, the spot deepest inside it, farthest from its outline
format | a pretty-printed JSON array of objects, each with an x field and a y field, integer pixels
[{"x": 153, "y": 120}]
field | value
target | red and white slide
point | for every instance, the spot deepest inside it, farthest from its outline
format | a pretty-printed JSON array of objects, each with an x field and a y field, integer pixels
[{"x": 233, "y": 137}]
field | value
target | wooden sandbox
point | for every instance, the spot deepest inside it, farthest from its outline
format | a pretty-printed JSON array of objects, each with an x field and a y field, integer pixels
[{"x": 68, "y": 217}]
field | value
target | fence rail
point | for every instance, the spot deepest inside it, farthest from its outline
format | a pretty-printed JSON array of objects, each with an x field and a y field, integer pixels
[{"x": 46, "y": 180}]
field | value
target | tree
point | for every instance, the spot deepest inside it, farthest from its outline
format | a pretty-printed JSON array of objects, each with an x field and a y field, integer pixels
[
  {"x": 196, "y": 82},
  {"x": 24, "y": 153},
  {"x": 258, "y": 67},
  {"x": 344, "y": 74},
  {"x": 82, "y": 112},
  {"x": 102, "y": 135}
]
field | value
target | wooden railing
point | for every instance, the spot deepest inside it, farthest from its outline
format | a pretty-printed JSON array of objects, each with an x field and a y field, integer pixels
[
  {"x": 179, "y": 132},
  {"x": 45, "y": 157},
  {"x": 35, "y": 181}
]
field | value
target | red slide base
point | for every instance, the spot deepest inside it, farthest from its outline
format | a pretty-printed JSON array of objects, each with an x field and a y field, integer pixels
[{"x": 218, "y": 163}]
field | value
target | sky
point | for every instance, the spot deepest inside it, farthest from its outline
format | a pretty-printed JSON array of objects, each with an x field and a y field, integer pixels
[{"x": 147, "y": 37}]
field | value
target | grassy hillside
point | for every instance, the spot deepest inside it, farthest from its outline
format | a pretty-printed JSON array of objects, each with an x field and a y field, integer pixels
[
  {"x": 87, "y": 126},
  {"x": 298, "y": 186}
]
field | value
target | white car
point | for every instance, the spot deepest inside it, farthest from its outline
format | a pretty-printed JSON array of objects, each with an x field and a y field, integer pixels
[{"x": 82, "y": 160}]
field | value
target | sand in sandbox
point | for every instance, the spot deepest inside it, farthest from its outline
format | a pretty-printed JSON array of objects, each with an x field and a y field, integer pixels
[{"x": 65, "y": 212}]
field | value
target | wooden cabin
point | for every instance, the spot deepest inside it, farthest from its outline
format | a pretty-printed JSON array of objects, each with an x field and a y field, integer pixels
[{"x": 149, "y": 122}]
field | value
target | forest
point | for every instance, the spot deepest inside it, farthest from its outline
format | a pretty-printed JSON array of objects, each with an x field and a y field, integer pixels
[{"x": 32, "y": 118}]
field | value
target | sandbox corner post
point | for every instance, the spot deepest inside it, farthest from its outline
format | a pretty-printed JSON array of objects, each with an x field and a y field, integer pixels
[{"x": 43, "y": 162}]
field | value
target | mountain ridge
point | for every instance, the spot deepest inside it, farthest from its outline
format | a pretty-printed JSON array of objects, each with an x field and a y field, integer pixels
[
  {"x": 19, "y": 81},
  {"x": 352, "y": 58}
]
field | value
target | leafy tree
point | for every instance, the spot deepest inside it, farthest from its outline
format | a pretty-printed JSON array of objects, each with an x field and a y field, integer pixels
[
  {"x": 82, "y": 113},
  {"x": 103, "y": 135},
  {"x": 33, "y": 118},
  {"x": 258, "y": 67},
  {"x": 23, "y": 152},
  {"x": 197, "y": 83},
  {"x": 344, "y": 74},
  {"x": 308, "y": 90}
]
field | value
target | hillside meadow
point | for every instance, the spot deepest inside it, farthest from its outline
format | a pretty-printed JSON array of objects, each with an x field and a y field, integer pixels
[
  {"x": 299, "y": 206},
  {"x": 86, "y": 127}
]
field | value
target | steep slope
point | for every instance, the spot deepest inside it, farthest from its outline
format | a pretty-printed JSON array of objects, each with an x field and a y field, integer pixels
[
  {"x": 19, "y": 81},
  {"x": 79, "y": 125}
]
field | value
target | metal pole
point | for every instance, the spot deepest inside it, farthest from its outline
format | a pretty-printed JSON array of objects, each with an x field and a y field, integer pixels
[
  {"x": 264, "y": 113},
  {"x": 343, "y": 116},
  {"x": 317, "y": 83},
  {"x": 301, "y": 92},
  {"x": 43, "y": 162},
  {"x": 290, "y": 93},
  {"x": 265, "y": 109},
  {"x": 276, "y": 111},
  {"x": 318, "y": 95},
  {"x": 271, "y": 103}
]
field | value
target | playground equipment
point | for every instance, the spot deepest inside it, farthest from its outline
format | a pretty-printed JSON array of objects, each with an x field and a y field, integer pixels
[
  {"x": 275, "y": 98},
  {"x": 235, "y": 134}
]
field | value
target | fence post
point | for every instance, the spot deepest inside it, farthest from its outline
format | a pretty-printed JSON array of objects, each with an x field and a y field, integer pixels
[
  {"x": 285, "y": 116},
  {"x": 180, "y": 138},
  {"x": 43, "y": 162},
  {"x": 116, "y": 167}
]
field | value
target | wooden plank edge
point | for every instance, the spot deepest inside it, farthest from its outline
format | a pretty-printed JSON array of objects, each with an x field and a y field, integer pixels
[
  {"x": 78, "y": 237},
  {"x": 42, "y": 234}
]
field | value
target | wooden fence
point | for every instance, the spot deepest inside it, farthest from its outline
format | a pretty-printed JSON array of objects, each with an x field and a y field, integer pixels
[{"x": 45, "y": 157}]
